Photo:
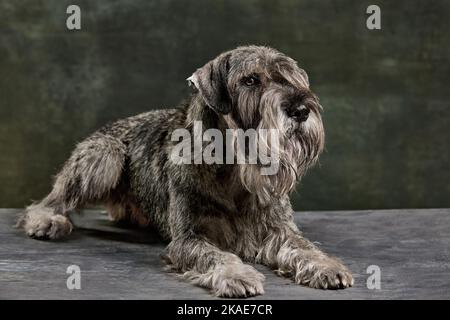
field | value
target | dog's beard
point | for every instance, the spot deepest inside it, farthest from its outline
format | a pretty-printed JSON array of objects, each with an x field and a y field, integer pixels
[{"x": 296, "y": 147}]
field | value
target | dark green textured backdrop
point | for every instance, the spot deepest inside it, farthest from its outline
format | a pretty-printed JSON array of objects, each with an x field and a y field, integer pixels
[{"x": 385, "y": 93}]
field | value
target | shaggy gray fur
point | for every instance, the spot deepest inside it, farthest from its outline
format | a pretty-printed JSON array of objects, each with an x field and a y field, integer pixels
[{"x": 215, "y": 216}]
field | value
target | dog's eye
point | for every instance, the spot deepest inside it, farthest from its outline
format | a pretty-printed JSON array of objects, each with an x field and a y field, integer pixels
[{"x": 250, "y": 81}]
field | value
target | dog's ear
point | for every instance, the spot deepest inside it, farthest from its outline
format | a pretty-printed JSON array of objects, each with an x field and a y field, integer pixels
[{"x": 211, "y": 82}]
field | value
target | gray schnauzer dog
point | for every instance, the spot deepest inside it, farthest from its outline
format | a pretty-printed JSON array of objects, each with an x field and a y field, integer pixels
[{"x": 214, "y": 216}]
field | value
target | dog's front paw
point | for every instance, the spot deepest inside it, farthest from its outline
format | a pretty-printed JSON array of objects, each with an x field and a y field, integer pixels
[
  {"x": 42, "y": 223},
  {"x": 323, "y": 273},
  {"x": 230, "y": 280},
  {"x": 237, "y": 281}
]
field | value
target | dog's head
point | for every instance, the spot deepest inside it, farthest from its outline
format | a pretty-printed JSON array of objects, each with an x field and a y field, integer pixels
[{"x": 257, "y": 87}]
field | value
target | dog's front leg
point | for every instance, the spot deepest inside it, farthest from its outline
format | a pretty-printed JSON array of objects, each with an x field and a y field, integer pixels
[
  {"x": 290, "y": 254},
  {"x": 193, "y": 253},
  {"x": 206, "y": 265},
  {"x": 297, "y": 258}
]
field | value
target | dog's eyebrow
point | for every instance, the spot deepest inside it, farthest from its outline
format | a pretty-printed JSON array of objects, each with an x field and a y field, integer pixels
[
  {"x": 253, "y": 74},
  {"x": 278, "y": 78}
]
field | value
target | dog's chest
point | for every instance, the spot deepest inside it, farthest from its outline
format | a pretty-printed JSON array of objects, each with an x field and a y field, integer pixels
[{"x": 242, "y": 235}]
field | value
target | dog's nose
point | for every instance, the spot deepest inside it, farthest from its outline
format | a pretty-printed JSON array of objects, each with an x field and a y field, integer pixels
[{"x": 301, "y": 113}]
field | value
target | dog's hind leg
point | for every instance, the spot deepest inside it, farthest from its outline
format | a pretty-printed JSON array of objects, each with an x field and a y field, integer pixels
[{"x": 92, "y": 171}]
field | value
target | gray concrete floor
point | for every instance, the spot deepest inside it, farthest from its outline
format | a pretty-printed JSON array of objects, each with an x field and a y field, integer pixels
[{"x": 411, "y": 247}]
